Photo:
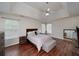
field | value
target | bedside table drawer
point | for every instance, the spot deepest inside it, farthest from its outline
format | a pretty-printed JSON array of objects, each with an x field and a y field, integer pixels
[{"x": 22, "y": 40}]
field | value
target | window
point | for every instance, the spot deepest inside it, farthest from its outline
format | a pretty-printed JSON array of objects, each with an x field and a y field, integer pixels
[
  {"x": 46, "y": 28},
  {"x": 43, "y": 28},
  {"x": 49, "y": 28},
  {"x": 11, "y": 29}
]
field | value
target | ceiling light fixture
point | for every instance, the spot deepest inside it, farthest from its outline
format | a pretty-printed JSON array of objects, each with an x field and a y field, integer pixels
[
  {"x": 46, "y": 14},
  {"x": 47, "y": 11}
]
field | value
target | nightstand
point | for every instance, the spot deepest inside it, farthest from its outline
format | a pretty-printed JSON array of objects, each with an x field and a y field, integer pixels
[
  {"x": 2, "y": 48},
  {"x": 22, "y": 40}
]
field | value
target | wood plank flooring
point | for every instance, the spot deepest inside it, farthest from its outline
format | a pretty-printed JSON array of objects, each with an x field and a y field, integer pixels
[{"x": 63, "y": 48}]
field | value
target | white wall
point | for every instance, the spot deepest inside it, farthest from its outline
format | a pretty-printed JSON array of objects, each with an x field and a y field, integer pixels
[
  {"x": 26, "y": 10},
  {"x": 14, "y": 12},
  {"x": 65, "y": 23},
  {"x": 23, "y": 25},
  {"x": 19, "y": 8},
  {"x": 5, "y": 7},
  {"x": 27, "y": 24},
  {"x": 1, "y": 24}
]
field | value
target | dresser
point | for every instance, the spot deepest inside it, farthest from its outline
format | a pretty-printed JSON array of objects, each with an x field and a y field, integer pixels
[{"x": 2, "y": 49}]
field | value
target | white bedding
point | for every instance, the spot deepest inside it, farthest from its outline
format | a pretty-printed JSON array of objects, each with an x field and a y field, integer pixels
[{"x": 39, "y": 40}]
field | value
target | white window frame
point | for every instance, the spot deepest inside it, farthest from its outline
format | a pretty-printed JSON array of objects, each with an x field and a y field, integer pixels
[{"x": 46, "y": 28}]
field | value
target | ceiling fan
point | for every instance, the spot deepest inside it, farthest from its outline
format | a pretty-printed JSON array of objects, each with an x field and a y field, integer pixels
[{"x": 47, "y": 12}]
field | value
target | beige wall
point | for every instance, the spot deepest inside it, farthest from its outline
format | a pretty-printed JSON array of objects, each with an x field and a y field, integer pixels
[{"x": 65, "y": 23}]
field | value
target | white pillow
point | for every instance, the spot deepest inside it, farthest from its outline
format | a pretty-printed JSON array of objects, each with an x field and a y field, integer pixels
[{"x": 31, "y": 33}]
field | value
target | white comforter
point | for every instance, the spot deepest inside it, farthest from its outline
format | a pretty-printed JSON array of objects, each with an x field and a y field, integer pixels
[{"x": 39, "y": 40}]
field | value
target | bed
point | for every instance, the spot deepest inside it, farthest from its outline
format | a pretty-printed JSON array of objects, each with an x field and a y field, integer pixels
[{"x": 37, "y": 39}]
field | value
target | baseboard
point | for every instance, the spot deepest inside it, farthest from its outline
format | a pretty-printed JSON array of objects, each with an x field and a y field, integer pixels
[
  {"x": 12, "y": 45},
  {"x": 10, "y": 42},
  {"x": 57, "y": 38}
]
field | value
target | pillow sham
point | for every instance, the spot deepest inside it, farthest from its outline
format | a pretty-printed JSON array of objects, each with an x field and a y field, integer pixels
[{"x": 31, "y": 33}]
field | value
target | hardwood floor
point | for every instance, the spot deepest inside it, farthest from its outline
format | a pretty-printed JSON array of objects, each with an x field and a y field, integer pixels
[{"x": 63, "y": 48}]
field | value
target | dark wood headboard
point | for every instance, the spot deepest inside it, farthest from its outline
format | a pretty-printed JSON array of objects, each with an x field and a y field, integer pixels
[{"x": 29, "y": 30}]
